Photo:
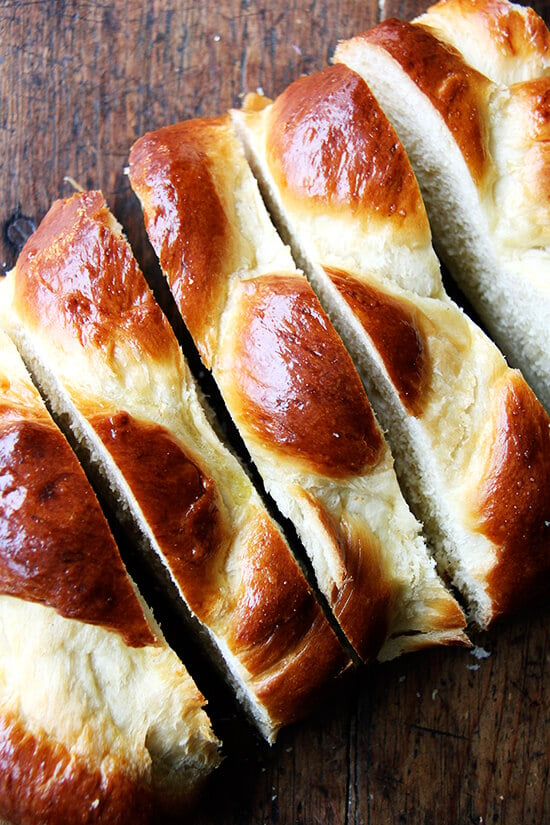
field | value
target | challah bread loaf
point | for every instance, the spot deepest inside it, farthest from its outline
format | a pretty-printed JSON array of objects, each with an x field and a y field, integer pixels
[
  {"x": 106, "y": 357},
  {"x": 99, "y": 720},
  {"x": 480, "y": 152},
  {"x": 470, "y": 440},
  {"x": 291, "y": 388}
]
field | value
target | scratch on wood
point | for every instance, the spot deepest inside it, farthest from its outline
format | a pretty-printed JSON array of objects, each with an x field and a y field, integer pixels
[{"x": 437, "y": 732}]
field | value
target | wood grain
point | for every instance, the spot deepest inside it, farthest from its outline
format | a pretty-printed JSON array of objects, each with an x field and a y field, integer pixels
[{"x": 438, "y": 737}]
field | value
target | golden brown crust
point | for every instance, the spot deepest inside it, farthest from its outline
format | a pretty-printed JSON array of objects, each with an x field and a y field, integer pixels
[
  {"x": 178, "y": 501},
  {"x": 514, "y": 502},
  {"x": 454, "y": 89},
  {"x": 293, "y": 383},
  {"x": 536, "y": 95},
  {"x": 195, "y": 270},
  {"x": 334, "y": 160},
  {"x": 363, "y": 602},
  {"x": 532, "y": 101},
  {"x": 445, "y": 613},
  {"x": 42, "y": 781},
  {"x": 58, "y": 288},
  {"x": 269, "y": 617},
  {"x": 55, "y": 545},
  {"x": 293, "y": 692},
  {"x": 513, "y": 32},
  {"x": 276, "y": 611},
  {"x": 396, "y": 332}
]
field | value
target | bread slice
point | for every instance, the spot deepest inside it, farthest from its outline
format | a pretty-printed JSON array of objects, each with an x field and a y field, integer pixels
[
  {"x": 471, "y": 442},
  {"x": 106, "y": 357},
  {"x": 291, "y": 388},
  {"x": 480, "y": 152},
  {"x": 99, "y": 720}
]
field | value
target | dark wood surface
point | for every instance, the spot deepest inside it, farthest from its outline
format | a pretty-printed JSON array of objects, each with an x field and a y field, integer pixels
[{"x": 438, "y": 737}]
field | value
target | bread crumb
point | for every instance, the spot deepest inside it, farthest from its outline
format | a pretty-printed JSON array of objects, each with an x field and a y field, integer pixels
[{"x": 480, "y": 653}]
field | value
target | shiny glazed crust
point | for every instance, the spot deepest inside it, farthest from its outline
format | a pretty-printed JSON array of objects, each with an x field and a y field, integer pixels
[
  {"x": 511, "y": 42},
  {"x": 88, "y": 747},
  {"x": 106, "y": 354},
  {"x": 290, "y": 386},
  {"x": 455, "y": 414}
]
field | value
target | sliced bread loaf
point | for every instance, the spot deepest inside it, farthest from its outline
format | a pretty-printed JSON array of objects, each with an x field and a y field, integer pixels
[
  {"x": 106, "y": 357},
  {"x": 471, "y": 442},
  {"x": 291, "y": 388}
]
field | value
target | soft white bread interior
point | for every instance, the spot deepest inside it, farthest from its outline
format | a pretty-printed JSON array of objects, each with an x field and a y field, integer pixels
[
  {"x": 106, "y": 357},
  {"x": 99, "y": 720},
  {"x": 479, "y": 149},
  {"x": 291, "y": 388},
  {"x": 471, "y": 442}
]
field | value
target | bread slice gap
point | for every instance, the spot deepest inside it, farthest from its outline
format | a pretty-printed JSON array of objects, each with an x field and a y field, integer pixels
[
  {"x": 96, "y": 711},
  {"x": 290, "y": 387},
  {"x": 480, "y": 156},
  {"x": 470, "y": 440},
  {"x": 110, "y": 365}
]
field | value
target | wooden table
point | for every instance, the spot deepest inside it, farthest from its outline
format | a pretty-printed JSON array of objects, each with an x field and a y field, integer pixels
[{"x": 439, "y": 737}]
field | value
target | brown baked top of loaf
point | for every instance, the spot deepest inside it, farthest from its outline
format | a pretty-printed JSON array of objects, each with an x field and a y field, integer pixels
[
  {"x": 56, "y": 547},
  {"x": 507, "y": 42},
  {"x": 469, "y": 428},
  {"x": 57, "y": 287},
  {"x": 336, "y": 160},
  {"x": 288, "y": 382},
  {"x": 179, "y": 502},
  {"x": 32, "y": 766},
  {"x": 288, "y": 375},
  {"x": 513, "y": 501},
  {"x": 283, "y": 343},
  {"x": 530, "y": 102},
  {"x": 395, "y": 327},
  {"x": 89, "y": 686},
  {"x": 201, "y": 269}
]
